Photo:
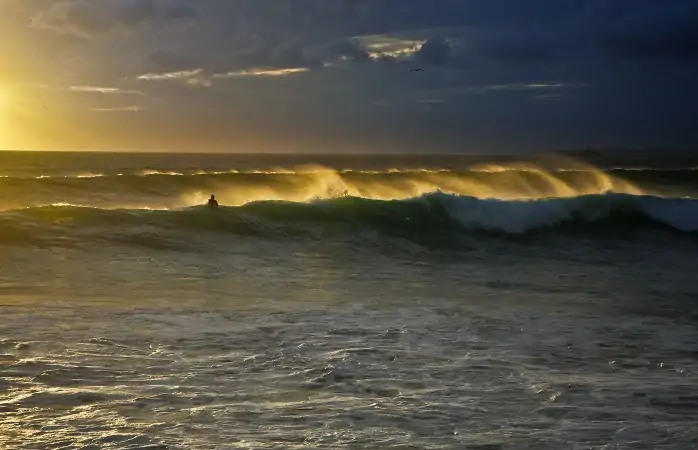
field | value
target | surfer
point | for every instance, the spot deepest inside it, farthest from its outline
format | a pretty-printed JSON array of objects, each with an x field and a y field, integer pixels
[{"x": 212, "y": 202}]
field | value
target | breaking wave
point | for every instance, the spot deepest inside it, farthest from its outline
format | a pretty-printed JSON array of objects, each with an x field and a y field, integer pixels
[
  {"x": 435, "y": 213},
  {"x": 168, "y": 190},
  {"x": 150, "y": 206}
]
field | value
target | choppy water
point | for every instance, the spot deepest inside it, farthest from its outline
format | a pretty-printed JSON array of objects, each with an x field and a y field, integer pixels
[{"x": 346, "y": 302}]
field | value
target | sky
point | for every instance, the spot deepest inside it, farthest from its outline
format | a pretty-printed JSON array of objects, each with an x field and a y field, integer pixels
[{"x": 470, "y": 76}]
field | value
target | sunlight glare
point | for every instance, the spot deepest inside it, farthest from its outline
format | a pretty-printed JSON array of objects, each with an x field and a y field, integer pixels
[{"x": 4, "y": 125}]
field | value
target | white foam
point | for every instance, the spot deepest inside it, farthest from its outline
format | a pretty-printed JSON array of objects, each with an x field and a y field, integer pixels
[{"x": 520, "y": 216}]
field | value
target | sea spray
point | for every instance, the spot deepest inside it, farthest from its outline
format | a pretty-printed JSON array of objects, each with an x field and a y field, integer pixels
[{"x": 169, "y": 189}]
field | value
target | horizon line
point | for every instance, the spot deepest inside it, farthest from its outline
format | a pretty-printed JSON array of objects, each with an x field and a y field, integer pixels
[{"x": 587, "y": 150}]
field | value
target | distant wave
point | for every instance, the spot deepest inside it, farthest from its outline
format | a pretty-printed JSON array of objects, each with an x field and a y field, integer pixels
[
  {"x": 427, "y": 214},
  {"x": 157, "y": 189},
  {"x": 168, "y": 189},
  {"x": 489, "y": 168}
]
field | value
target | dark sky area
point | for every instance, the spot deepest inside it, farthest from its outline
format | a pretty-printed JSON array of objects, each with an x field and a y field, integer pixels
[{"x": 468, "y": 76}]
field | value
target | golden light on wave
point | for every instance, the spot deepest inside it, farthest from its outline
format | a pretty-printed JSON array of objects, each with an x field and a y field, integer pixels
[{"x": 510, "y": 181}]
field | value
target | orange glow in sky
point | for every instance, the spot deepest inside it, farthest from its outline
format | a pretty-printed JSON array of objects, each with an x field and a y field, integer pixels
[{"x": 4, "y": 118}]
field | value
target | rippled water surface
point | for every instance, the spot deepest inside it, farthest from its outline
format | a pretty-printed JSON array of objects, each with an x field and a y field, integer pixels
[{"x": 307, "y": 350}]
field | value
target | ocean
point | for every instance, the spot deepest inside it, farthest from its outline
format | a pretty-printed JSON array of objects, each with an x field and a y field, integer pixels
[{"x": 348, "y": 301}]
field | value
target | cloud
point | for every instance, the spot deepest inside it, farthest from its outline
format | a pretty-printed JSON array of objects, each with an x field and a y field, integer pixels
[
  {"x": 262, "y": 73},
  {"x": 179, "y": 75},
  {"x": 435, "y": 52},
  {"x": 272, "y": 53},
  {"x": 524, "y": 87},
  {"x": 663, "y": 30},
  {"x": 345, "y": 50},
  {"x": 77, "y": 19},
  {"x": 191, "y": 77},
  {"x": 198, "y": 78},
  {"x": 548, "y": 97},
  {"x": 104, "y": 90},
  {"x": 119, "y": 109},
  {"x": 382, "y": 47},
  {"x": 85, "y": 18},
  {"x": 341, "y": 58}
]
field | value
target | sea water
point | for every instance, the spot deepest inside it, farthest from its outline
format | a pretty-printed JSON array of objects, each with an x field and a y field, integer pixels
[{"x": 387, "y": 302}]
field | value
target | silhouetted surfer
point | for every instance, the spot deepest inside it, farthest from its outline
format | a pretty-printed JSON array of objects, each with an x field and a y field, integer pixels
[{"x": 212, "y": 202}]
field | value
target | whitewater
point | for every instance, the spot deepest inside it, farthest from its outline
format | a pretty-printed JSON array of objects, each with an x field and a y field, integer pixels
[{"x": 347, "y": 301}]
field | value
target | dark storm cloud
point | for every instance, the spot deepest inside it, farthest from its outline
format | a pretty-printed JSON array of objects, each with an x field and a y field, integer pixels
[
  {"x": 658, "y": 31},
  {"x": 494, "y": 63},
  {"x": 278, "y": 33},
  {"x": 523, "y": 48},
  {"x": 435, "y": 51}
]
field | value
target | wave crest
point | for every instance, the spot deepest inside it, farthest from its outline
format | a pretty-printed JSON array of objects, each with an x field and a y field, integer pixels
[
  {"x": 427, "y": 215},
  {"x": 170, "y": 190}
]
